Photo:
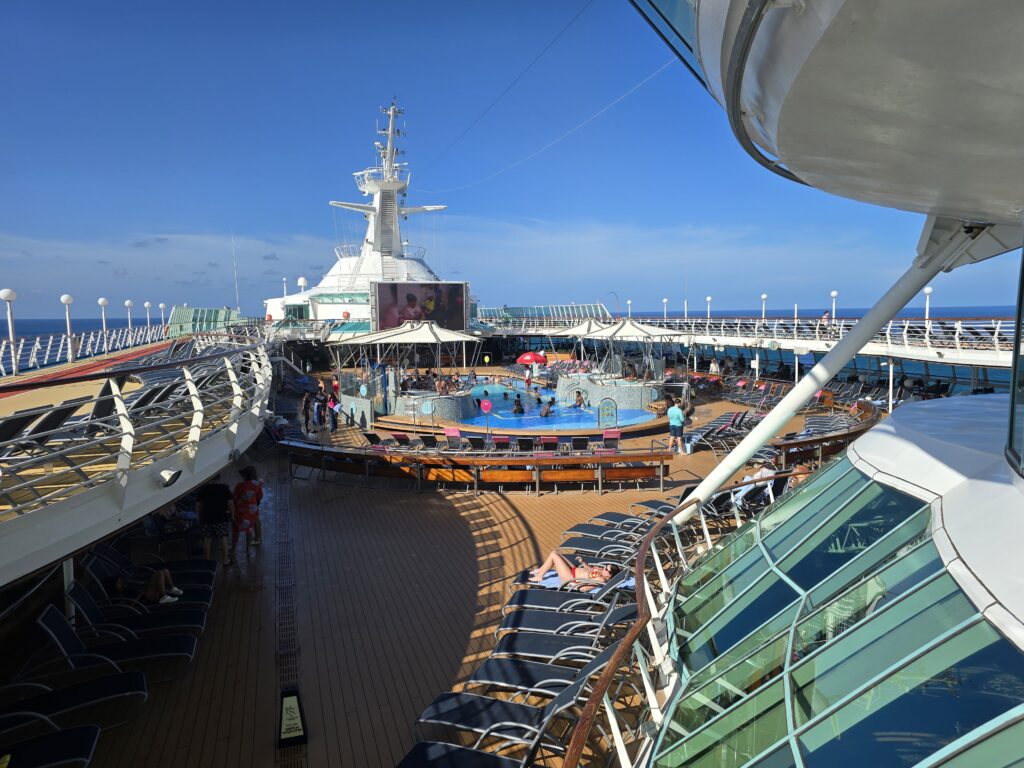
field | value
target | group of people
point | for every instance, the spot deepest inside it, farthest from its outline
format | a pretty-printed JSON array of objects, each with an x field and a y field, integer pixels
[
  {"x": 322, "y": 407},
  {"x": 222, "y": 511}
]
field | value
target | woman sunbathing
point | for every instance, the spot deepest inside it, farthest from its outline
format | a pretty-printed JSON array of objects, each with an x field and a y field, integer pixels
[{"x": 556, "y": 571}]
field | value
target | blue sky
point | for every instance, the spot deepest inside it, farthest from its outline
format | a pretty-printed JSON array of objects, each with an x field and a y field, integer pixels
[{"x": 138, "y": 137}]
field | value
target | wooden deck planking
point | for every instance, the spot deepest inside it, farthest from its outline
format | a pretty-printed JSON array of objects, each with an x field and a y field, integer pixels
[{"x": 397, "y": 598}]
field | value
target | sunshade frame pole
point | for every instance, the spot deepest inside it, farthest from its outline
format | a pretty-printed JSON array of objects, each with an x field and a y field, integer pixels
[{"x": 904, "y": 289}]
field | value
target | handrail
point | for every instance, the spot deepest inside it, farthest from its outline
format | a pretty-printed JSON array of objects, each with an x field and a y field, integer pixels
[
  {"x": 106, "y": 373},
  {"x": 599, "y": 690},
  {"x": 864, "y": 425}
]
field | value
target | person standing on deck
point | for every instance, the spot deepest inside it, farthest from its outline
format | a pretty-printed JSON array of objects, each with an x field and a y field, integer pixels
[
  {"x": 306, "y": 406},
  {"x": 247, "y": 497},
  {"x": 216, "y": 508},
  {"x": 332, "y": 404},
  {"x": 676, "y": 420}
]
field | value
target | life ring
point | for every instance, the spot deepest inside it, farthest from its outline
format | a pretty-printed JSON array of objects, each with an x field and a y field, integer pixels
[{"x": 269, "y": 318}]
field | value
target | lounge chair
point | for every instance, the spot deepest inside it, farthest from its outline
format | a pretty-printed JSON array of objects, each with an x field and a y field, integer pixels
[
  {"x": 566, "y": 622},
  {"x": 103, "y": 700},
  {"x": 610, "y": 439},
  {"x": 138, "y": 621},
  {"x": 196, "y": 573},
  {"x": 579, "y": 444},
  {"x": 568, "y": 597},
  {"x": 501, "y": 443},
  {"x": 429, "y": 442},
  {"x": 99, "y": 569},
  {"x": 477, "y": 443},
  {"x": 506, "y": 721},
  {"x": 402, "y": 440},
  {"x": 436, "y": 754},
  {"x": 70, "y": 746},
  {"x": 453, "y": 439},
  {"x": 547, "y": 647},
  {"x": 125, "y": 649},
  {"x": 535, "y": 677},
  {"x": 525, "y": 444}
]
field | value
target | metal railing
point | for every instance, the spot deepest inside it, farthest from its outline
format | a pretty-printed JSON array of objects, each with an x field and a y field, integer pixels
[
  {"x": 34, "y": 352},
  {"x": 631, "y": 652},
  {"x": 62, "y": 448}
]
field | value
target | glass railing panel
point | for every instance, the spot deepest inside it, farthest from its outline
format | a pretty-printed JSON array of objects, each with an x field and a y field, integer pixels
[
  {"x": 973, "y": 677},
  {"x": 676, "y": 20},
  {"x": 744, "y": 615},
  {"x": 831, "y": 620},
  {"x": 1002, "y": 749},
  {"x": 868, "y": 560},
  {"x": 875, "y": 645},
  {"x": 782, "y": 511},
  {"x": 729, "y": 550},
  {"x": 854, "y": 528},
  {"x": 740, "y": 681},
  {"x": 713, "y": 596},
  {"x": 780, "y": 538},
  {"x": 775, "y": 626},
  {"x": 731, "y": 741}
]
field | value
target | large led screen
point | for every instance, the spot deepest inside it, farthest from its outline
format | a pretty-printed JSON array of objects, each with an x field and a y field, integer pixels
[{"x": 442, "y": 303}]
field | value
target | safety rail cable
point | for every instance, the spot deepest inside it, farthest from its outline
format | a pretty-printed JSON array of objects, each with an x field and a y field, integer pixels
[
  {"x": 581, "y": 732},
  {"x": 37, "y": 352}
]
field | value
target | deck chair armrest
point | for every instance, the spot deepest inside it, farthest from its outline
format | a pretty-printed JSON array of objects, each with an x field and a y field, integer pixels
[
  {"x": 31, "y": 684},
  {"x": 125, "y": 602},
  {"x": 90, "y": 655},
  {"x": 576, "y": 653},
  {"x": 27, "y": 713},
  {"x": 574, "y": 605},
  {"x": 103, "y": 631},
  {"x": 503, "y": 724}
]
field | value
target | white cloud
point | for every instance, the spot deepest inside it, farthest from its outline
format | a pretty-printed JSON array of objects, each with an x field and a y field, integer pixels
[{"x": 506, "y": 261}]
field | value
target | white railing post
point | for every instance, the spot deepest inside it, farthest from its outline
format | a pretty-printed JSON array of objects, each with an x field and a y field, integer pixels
[
  {"x": 195, "y": 429},
  {"x": 613, "y": 724},
  {"x": 237, "y": 399},
  {"x": 124, "y": 454}
]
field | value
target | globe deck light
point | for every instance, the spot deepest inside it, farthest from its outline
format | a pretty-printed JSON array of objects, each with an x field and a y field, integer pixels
[
  {"x": 8, "y": 295},
  {"x": 67, "y": 300}
]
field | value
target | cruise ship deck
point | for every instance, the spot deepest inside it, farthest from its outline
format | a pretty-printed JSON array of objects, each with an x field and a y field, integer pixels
[{"x": 395, "y": 597}]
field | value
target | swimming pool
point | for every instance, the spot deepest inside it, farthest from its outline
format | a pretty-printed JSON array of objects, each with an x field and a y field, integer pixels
[{"x": 563, "y": 418}]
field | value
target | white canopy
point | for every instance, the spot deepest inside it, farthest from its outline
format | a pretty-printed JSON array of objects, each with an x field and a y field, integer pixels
[
  {"x": 630, "y": 330},
  {"x": 581, "y": 331},
  {"x": 413, "y": 332}
]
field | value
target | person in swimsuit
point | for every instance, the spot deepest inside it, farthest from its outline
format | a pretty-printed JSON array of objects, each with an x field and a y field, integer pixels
[{"x": 564, "y": 572}]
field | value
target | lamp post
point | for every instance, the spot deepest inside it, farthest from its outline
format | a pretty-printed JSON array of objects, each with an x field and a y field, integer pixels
[
  {"x": 686, "y": 310},
  {"x": 708, "y": 300},
  {"x": 162, "y": 308},
  {"x": 67, "y": 299},
  {"x": 664, "y": 308},
  {"x": 927, "y": 302},
  {"x": 629, "y": 307},
  {"x": 103, "y": 316},
  {"x": 148, "y": 305},
  {"x": 9, "y": 295},
  {"x": 284, "y": 287},
  {"x": 764, "y": 303},
  {"x": 834, "y": 295},
  {"x": 128, "y": 304}
]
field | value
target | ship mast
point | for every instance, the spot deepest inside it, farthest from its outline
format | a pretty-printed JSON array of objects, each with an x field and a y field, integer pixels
[{"x": 383, "y": 241}]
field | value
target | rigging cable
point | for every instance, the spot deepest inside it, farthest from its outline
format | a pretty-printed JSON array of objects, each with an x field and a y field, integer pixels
[
  {"x": 508, "y": 87},
  {"x": 561, "y": 138}
]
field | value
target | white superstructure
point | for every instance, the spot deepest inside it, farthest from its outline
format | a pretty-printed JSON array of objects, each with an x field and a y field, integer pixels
[{"x": 383, "y": 256}]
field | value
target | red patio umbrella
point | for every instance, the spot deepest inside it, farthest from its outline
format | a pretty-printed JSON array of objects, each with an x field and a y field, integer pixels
[{"x": 528, "y": 358}]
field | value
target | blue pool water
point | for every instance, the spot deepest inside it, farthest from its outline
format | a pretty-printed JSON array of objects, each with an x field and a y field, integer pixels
[{"x": 563, "y": 417}]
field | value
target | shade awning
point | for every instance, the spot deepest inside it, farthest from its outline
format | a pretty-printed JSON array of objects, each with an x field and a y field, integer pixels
[
  {"x": 581, "y": 331},
  {"x": 630, "y": 330},
  {"x": 412, "y": 332}
]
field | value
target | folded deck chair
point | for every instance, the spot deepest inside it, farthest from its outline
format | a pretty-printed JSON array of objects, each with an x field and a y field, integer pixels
[
  {"x": 507, "y": 721},
  {"x": 105, "y": 701},
  {"x": 568, "y": 597},
  {"x": 70, "y": 746},
  {"x": 566, "y": 622},
  {"x": 537, "y": 678},
  {"x": 183, "y": 621},
  {"x": 200, "y": 572},
  {"x": 122, "y": 651}
]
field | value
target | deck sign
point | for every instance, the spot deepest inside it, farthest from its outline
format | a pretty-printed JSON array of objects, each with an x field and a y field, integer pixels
[
  {"x": 293, "y": 720},
  {"x": 607, "y": 414}
]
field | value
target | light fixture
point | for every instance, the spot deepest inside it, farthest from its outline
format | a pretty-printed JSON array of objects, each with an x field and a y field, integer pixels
[
  {"x": 67, "y": 299},
  {"x": 169, "y": 477},
  {"x": 9, "y": 295}
]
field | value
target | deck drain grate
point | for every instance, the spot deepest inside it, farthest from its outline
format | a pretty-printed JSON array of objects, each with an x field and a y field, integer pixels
[{"x": 287, "y": 630}]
